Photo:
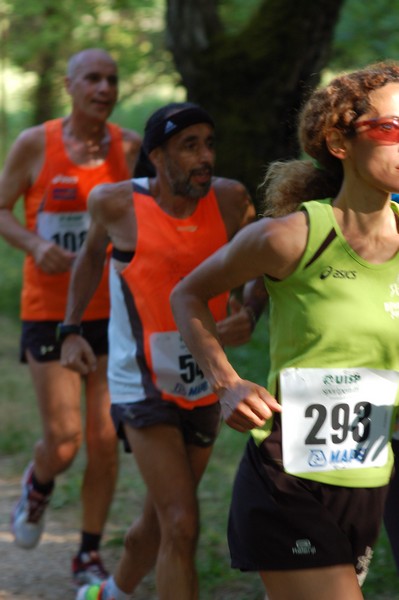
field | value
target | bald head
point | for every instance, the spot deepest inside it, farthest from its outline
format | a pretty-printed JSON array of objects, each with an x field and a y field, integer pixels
[
  {"x": 92, "y": 83},
  {"x": 81, "y": 59}
]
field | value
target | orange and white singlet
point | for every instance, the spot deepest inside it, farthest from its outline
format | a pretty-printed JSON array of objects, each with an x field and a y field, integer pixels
[
  {"x": 56, "y": 208},
  {"x": 147, "y": 356}
]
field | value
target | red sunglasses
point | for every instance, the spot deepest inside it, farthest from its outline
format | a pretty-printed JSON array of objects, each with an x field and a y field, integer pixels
[{"x": 383, "y": 129}]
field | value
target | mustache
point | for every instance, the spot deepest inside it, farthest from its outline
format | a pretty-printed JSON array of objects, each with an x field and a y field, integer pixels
[{"x": 204, "y": 170}]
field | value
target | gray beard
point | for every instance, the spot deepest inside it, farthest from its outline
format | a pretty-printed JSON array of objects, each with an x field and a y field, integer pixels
[{"x": 185, "y": 189}]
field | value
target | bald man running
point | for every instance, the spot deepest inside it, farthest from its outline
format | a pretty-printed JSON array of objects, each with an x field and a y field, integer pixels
[{"x": 54, "y": 166}]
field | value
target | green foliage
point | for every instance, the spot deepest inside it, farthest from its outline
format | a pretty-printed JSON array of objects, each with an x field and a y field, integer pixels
[
  {"x": 366, "y": 33},
  {"x": 11, "y": 261},
  {"x": 19, "y": 425},
  {"x": 382, "y": 580},
  {"x": 134, "y": 32},
  {"x": 10, "y": 281},
  {"x": 257, "y": 368},
  {"x": 42, "y": 24},
  {"x": 131, "y": 30},
  {"x": 69, "y": 26}
]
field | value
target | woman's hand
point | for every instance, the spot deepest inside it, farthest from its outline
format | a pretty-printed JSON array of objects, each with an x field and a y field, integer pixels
[{"x": 246, "y": 405}]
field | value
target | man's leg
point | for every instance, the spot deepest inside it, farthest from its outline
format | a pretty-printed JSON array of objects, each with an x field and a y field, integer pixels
[
  {"x": 102, "y": 451},
  {"x": 140, "y": 551},
  {"x": 99, "y": 477},
  {"x": 58, "y": 395},
  {"x": 171, "y": 471}
]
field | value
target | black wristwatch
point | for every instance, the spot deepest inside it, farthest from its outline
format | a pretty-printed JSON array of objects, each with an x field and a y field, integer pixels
[{"x": 63, "y": 330}]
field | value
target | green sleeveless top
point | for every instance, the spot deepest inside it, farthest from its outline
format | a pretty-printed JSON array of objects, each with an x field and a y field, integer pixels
[{"x": 335, "y": 311}]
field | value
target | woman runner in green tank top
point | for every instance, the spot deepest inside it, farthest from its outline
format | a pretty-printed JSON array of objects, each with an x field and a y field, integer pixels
[{"x": 309, "y": 494}]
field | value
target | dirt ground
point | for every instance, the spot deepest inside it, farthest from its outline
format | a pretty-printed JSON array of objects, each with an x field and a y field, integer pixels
[{"x": 44, "y": 573}]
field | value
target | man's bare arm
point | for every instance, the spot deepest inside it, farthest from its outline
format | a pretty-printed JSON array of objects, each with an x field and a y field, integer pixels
[
  {"x": 237, "y": 210},
  {"x": 245, "y": 310},
  {"x": 108, "y": 206},
  {"x": 235, "y": 204},
  {"x": 86, "y": 273},
  {"x": 20, "y": 170}
]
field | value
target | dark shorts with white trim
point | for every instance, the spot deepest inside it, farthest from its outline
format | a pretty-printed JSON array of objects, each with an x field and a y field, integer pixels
[
  {"x": 282, "y": 522},
  {"x": 199, "y": 426},
  {"x": 39, "y": 337}
]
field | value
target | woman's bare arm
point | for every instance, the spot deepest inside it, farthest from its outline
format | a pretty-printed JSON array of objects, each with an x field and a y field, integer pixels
[{"x": 258, "y": 249}]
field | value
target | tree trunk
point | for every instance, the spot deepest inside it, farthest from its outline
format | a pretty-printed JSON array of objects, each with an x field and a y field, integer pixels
[
  {"x": 46, "y": 95},
  {"x": 252, "y": 83}
]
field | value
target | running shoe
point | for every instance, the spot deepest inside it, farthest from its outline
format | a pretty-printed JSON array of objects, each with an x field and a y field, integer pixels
[
  {"x": 27, "y": 518},
  {"x": 87, "y": 568},
  {"x": 91, "y": 592}
]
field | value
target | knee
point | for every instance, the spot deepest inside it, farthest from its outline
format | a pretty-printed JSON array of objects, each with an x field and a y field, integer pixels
[
  {"x": 63, "y": 448},
  {"x": 180, "y": 527},
  {"x": 142, "y": 528},
  {"x": 129, "y": 541}
]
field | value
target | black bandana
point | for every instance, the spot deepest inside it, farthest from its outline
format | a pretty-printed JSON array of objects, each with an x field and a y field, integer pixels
[{"x": 158, "y": 134}]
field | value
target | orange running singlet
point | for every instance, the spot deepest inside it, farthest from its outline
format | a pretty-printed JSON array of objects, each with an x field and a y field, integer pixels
[
  {"x": 55, "y": 207},
  {"x": 147, "y": 357}
]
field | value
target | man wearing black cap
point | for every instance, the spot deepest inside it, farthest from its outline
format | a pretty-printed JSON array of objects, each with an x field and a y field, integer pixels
[{"x": 160, "y": 228}]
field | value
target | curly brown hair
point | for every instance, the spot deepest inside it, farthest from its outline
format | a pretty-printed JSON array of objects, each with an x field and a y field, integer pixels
[{"x": 337, "y": 105}]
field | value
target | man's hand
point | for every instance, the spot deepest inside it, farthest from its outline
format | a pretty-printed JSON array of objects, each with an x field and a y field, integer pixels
[
  {"x": 246, "y": 405},
  {"x": 236, "y": 329},
  {"x": 77, "y": 355},
  {"x": 51, "y": 258}
]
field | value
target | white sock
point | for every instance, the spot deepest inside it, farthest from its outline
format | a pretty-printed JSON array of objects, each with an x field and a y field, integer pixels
[{"x": 112, "y": 592}]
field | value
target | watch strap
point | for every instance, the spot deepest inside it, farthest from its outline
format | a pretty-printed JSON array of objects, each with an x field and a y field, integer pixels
[{"x": 63, "y": 330}]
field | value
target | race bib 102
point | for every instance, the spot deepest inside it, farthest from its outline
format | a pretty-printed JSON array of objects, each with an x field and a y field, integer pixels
[{"x": 67, "y": 230}]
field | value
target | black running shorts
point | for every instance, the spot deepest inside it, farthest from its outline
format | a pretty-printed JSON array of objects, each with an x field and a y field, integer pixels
[
  {"x": 200, "y": 426},
  {"x": 39, "y": 337},
  {"x": 282, "y": 522}
]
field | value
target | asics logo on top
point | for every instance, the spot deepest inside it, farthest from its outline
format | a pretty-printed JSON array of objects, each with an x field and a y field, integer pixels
[
  {"x": 169, "y": 126},
  {"x": 337, "y": 273},
  {"x": 64, "y": 179}
]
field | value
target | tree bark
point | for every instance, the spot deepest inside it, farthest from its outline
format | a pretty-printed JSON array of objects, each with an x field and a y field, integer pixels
[
  {"x": 252, "y": 83},
  {"x": 46, "y": 95}
]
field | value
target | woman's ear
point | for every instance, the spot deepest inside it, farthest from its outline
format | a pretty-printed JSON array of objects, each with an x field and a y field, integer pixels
[{"x": 337, "y": 143}]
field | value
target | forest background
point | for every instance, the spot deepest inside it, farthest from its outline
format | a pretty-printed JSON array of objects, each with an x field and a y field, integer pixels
[{"x": 251, "y": 64}]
